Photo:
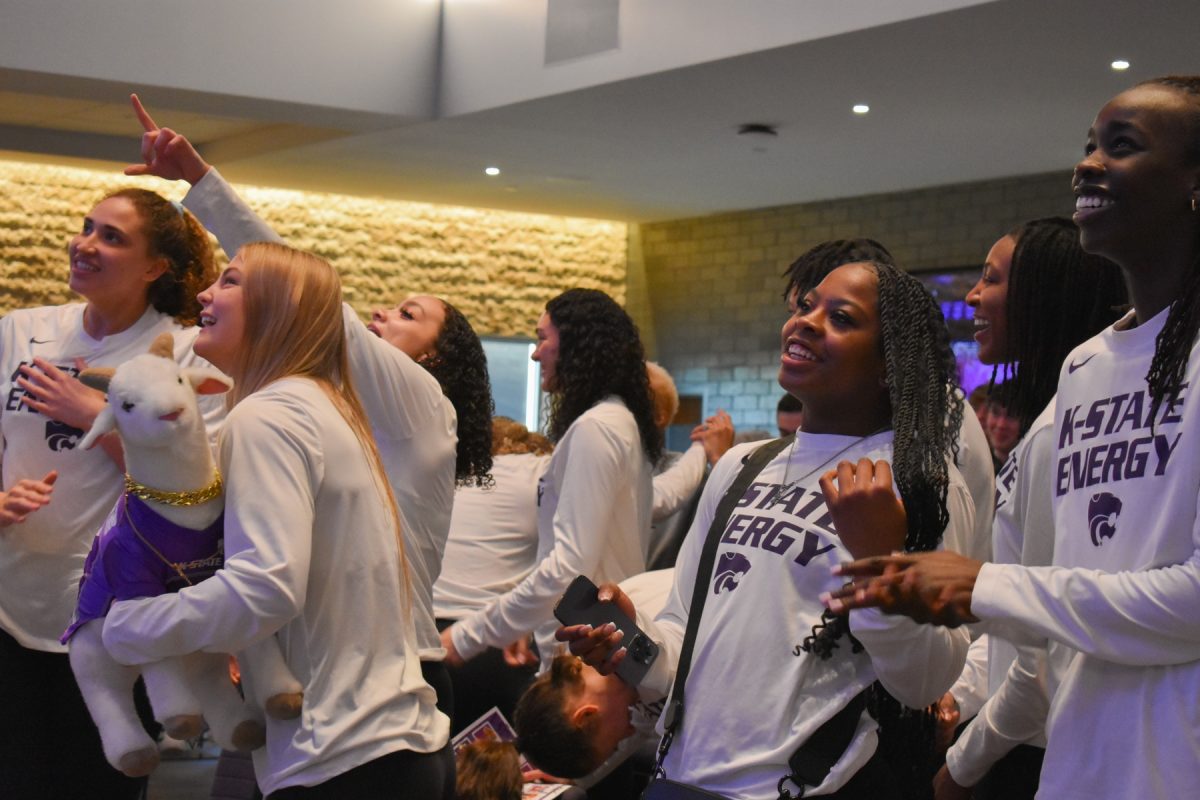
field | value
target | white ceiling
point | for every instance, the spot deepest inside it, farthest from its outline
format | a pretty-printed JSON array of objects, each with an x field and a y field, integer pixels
[{"x": 991, "y": 90}]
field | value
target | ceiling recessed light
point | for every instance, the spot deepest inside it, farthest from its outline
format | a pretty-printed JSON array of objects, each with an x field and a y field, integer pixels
[
  {"x": 1120, "y": 65},
  {"x": 493, "y": 171},
  {"x": 860, "y": 108}
]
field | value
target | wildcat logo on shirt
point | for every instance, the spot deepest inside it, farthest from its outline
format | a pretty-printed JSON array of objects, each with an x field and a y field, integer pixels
[
  {"x": 1132, "y": 448},
  {"x": 61, "y": 436},
  {"x": 1103, "y": 511},
  {"x": 730, "y": 570}
]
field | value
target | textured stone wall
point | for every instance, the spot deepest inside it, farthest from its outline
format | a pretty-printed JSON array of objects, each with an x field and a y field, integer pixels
[
  {"x": 714, "y": 282},
  {"x": 498, "y": 267}
]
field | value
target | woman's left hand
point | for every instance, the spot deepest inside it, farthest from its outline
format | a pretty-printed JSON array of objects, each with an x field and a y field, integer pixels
[
  {"x": 867, "y": 515},
  {"x": 58, "y": 395}
]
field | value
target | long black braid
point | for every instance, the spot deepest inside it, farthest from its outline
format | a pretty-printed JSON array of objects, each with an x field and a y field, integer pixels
[
  {"x": 1058, "y": 297},
  {"x": 1173, "y": 346}
]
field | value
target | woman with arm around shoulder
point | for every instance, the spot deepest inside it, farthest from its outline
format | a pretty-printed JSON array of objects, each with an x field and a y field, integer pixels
[
  {"x": 137, "y": 262},
  {"x": 595, "y": 499},
  {"x": 314, "y": 549}
]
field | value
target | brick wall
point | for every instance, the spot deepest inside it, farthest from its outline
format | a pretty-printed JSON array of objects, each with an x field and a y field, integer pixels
[
  {"x": 714, "y": 288},
  {"x": 498, "y": 267}
]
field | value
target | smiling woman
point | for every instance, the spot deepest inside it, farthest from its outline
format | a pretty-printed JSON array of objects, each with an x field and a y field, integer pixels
[{"x": 137, "y": 261}]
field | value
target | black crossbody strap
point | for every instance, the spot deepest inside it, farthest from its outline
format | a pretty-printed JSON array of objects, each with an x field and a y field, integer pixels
[
  {"x": 753, "y": 464},
  {"x": 814, "y": 759}
]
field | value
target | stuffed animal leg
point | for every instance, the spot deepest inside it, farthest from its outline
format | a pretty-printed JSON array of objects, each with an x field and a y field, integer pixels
[
  {"x": 234, "y": 724},
  {"x": 107, "y": 689},
  {"x": 267, "y": 680}
]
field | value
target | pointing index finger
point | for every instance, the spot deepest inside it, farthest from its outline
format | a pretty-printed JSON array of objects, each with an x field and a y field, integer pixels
[{"x": 142, "y": 114}]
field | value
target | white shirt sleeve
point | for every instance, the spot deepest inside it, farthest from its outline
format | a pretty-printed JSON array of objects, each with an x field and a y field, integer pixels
[
  {"x": 222, "y": 211},
  {"x": 676, "y": 485},
  {"x": 918, "y": 663},
  {"x": 971, "y": 689},
  {"x": 1142, "y": 618},
  {"x": 1015, "y": 714},
  {"x": 595, "y": 467},
  {"x": 268, "y": 542}
]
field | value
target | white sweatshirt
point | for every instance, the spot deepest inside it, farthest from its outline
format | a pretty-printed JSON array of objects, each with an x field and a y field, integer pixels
[
  {"x": 1122, "y": 601},
  {"x": 413, "y": 421},
  {"x": 493, "y": 537},
  {"x": 41, "y": 559},
  {"x": 1016, "y": 706},
  {"x": 753, "y": 696},
  {"x": 593, "y": 518},
  {"x": 311, "y": 556}
]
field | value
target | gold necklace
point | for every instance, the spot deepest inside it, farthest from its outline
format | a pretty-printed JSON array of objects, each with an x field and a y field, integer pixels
[
  {"x": 188, "y": 498},
  {"x": 172, "y": 564}
]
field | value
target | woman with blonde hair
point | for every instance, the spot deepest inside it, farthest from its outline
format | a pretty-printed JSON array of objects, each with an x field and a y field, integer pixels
[{"x": 314, "y": 547}]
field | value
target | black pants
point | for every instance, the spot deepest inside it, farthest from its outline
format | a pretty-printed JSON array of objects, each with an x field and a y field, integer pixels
[
  {"x": 402, "y": 774},
  {"x": 437, "y": 675},
  {"x": 1014, "y": 777},
  {"x": 483, "y": 682},
  {"x": 49, "y": 746}
]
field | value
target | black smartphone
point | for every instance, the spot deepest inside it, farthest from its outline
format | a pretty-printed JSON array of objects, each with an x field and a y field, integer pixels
[{"x": 580, "y": 605}]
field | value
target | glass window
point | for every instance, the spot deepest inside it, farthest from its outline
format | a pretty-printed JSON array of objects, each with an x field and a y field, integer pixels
[{"x": 515, "y": 380}]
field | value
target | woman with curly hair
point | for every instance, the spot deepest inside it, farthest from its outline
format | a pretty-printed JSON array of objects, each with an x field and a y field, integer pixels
[
  {"x": 866, "y": 352},
  {"x": 595, "y": 499},
  {"x": 419, "y": 367},
  {"x": 137, "y": 261}
]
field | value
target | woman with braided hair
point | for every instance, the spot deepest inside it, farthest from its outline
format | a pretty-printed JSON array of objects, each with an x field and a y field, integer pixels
[
  {"x": 1037, "y": 265},
  {"x": 595, "y": 498},
  {"x": 867, "y": 353},
  {"x": 1119, "y": 608}
]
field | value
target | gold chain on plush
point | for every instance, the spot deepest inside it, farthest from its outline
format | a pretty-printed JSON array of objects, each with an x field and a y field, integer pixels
[{"x": 190, "y": 498}]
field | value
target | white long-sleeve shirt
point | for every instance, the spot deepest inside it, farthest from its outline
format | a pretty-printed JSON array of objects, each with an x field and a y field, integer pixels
[
  {"x": 415, "y": 425},
  {"x": 753, "y": 696},
  {"x": 311, "y": 556},
  {"x": 1121, "y": 604},
  {"x": 1017, "y": 704},
  {"x": 493, "y": 537},
  {"x": 593, "y": 518}
]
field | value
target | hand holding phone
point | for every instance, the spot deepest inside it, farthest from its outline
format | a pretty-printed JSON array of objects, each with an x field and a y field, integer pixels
[{"x": 580, "y": 605}]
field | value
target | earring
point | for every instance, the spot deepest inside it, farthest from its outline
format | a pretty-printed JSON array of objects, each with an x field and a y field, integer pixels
[{"x": 1193, "y": 204}]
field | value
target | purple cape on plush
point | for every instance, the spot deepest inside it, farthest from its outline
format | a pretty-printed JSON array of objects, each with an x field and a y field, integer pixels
[{"x": 121, "y": 567}]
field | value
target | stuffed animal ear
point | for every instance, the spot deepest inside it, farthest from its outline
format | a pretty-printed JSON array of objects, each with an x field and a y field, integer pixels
[
  {"x": 97, "y": 377},
  {"x": 105, "y": 422},
  {"x": 163, "y": 345},
  {"x": 208, "y": 381}
]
